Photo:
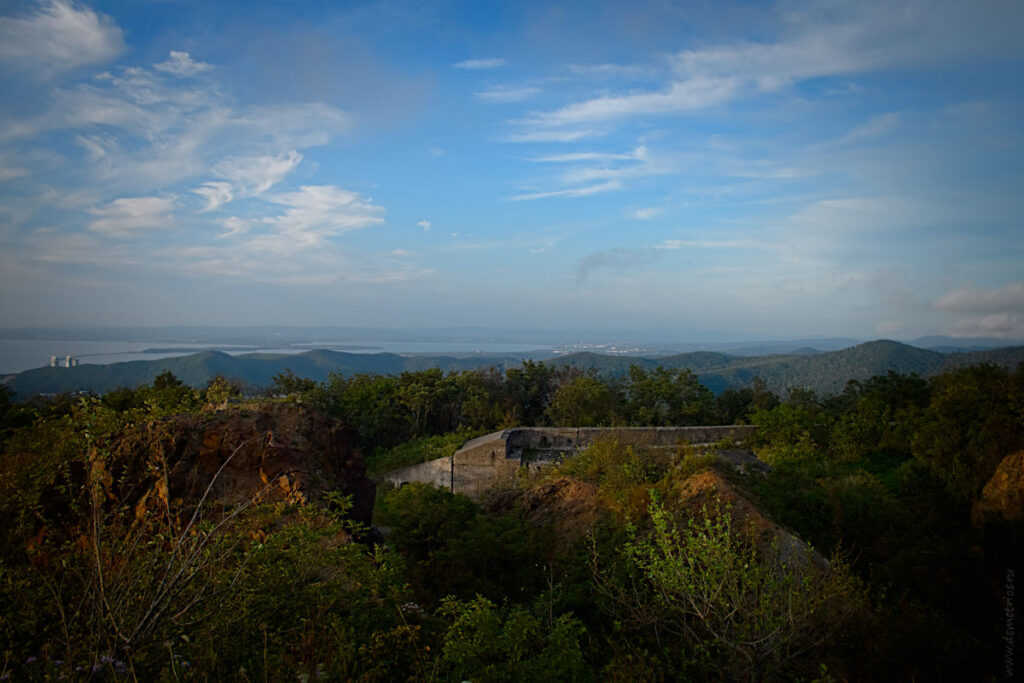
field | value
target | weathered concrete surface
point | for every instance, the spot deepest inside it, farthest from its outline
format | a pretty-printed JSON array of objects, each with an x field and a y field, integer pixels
[
  {"x": 496, "y": 457},
  {"x": 437, "y": 472}
]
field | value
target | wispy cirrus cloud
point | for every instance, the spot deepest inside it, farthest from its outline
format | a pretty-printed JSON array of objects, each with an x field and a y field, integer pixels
[
  {"x": 646, "y": 213},
  {"x": 552, "y": 135},
  {"x": 58, "y": 36},
  {"x": 246, "y": 177},
  {"x": 673, "y": 245},
  {"x": 588, "y": 173},
  {"x": 127, "y": 217},
  {"x": 821, "y": 40},
  {"x": 316, "y": 212},
  {"x": 142, "y": 128},
  {"x": 500, "y": 94},
  {"x": 689, "y": 95},
  {"x": 638, "y": 154},
  {"x": 181, "y": 64},
  {"x": 479, "y": 64},
  {"x": 570, "y": 192}
]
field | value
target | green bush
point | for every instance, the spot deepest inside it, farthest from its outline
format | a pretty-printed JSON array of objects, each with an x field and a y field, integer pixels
[
  {"x": 486, "y": 643},
  {"x": 701, "y": 594}
]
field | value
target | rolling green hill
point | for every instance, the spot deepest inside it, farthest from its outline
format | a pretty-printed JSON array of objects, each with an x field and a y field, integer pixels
[
  {"x": 253, "y": 369},
  {"x": 826, "y": 372}
]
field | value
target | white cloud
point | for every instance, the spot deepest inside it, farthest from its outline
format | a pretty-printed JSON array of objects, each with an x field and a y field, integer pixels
[
  {"x": 581, "y": 180},
  {"x": 235, "y": 226},
  {"x": 10, "y": 170},
  {"x": 504, "y": 94},
  {"x": 246, "y": 177},
  {"x": 1009, "y": 298},
  {"x": 859, "y": 215},
  {"x": 158, "y": 132},
  {"x": 681, "y": 96},
  {"x": 818, "y": 40},
  {"x": 476, "y": 64},
  {"x": 127, "y": 216},
  {"x": 647, "y": 213},
  {"x": 616, "y": 71},
  {"x": 316, "y": 212},
  {"x": 876, "y": 126},
  {"x": 672, "y": 245},
  {"x": 181, "y": 64},
  {"x": 93, "y": 145},
  {"x": 999, "y": 325},
  {"x": 550, "y": 135},
  {"x": 401, "y": 253},
  {"x": 215, "y": 193},
  {"x": 58, "y": 36},
  {"x": 426, "y": 225},
  {"x": 638, "y": 154},
  {"x": 570, "y": 192}
]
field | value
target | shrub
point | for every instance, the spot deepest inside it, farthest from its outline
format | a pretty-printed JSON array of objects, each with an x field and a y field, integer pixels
[{"x": 701, "y": 594}]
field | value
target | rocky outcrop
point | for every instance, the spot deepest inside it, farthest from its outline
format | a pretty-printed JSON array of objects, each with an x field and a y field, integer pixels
[
  {"x": 569, "y": 507},
  {"x": 711, "y": 489},
  {"x": 269, "y": 453},
  {"x": 1002, "y": 499}
]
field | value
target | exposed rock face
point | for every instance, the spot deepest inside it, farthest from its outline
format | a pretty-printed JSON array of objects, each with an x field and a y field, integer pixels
[
  {"x": 570, "y": 507},
  {"x": 712, "y": 488},
  {"x": 1003, "y": 495},
  {"x": 273, "y": 453}
]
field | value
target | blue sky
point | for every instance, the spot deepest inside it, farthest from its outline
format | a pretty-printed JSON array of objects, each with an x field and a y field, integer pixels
[{"x": 765, "y": 169}]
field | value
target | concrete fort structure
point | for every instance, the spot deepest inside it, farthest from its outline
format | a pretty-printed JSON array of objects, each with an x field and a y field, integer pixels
[{"x": 496, "y": 457}]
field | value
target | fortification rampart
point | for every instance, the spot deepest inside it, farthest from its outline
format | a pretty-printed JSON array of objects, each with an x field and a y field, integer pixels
[{"x": 495, "y": 457}]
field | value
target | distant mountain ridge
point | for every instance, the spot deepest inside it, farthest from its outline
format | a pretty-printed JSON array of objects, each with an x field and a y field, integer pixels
[{"x": 826, "y": 372}]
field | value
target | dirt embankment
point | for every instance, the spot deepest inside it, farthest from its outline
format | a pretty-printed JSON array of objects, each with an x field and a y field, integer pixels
[
  {"x": 1002, "y": 499},
  {"x": 266, "y": 453},
  {"x": 571, "y": 508}
]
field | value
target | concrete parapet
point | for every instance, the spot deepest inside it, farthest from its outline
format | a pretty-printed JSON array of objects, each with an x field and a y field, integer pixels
[
  {"x": 496, "y": 457},
  {"x": 437, "y": 472}
]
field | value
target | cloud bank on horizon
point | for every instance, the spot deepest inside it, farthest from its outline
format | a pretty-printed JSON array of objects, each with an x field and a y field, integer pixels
[{"x": 834, "y": 168}]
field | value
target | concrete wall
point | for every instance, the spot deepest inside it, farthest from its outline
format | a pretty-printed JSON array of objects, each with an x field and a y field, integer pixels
[
  {"x": 481, "y": 462},
  {"x": 528, "y": 444},
  {"x": 496, "y": 457},
  {"x": 437, "y": 472}
]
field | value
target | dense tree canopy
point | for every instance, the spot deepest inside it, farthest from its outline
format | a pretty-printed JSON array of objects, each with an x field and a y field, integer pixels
[{"x": 882, "y": 476}]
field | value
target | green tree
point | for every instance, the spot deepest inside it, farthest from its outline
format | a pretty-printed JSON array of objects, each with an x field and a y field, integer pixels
[
  {"x": 527, "y": 393},
  {"x": 583, "y": 402},
  {"x": 881, "y": 415},
  {"x": 663, "y": 397},
  {"x": 290, "y": 384},
  {"x": 220, "y": 389},
  {"x": 485, "y": 643},
  {"x": 716, "y": 607},
  {"x": 975, "y": 418}
]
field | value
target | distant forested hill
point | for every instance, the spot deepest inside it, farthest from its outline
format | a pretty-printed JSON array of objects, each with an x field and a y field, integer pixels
[
  {"x": 257, "y": 369},
  {"x": 826, "y": 372}
]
